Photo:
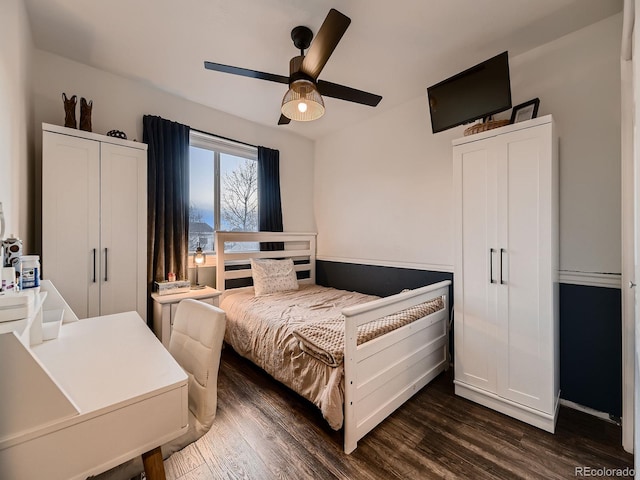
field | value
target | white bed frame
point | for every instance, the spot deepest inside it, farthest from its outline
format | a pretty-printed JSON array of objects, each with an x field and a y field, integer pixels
[{"x": 379, "y": 375}]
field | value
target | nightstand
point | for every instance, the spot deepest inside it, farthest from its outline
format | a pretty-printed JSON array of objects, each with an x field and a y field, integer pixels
[{"x": 164, "y": 309}]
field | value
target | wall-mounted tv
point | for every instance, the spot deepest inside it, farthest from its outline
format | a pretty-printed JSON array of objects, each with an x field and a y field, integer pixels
[{"x": 478, "y": 92}]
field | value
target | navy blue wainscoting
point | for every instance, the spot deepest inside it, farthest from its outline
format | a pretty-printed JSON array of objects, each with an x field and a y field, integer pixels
[
  {"x": 591, "y": 347},
  {"x": 374, "y": 279}
]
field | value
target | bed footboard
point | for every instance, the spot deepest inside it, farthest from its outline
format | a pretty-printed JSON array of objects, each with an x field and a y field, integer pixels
[{"x": 382, "y": 374}]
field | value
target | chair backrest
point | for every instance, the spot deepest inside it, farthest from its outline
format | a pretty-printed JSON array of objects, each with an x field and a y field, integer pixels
[{"x": 196, "y": 344}]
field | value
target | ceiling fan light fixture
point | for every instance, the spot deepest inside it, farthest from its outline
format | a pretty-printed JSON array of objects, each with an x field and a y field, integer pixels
[{"x": 302, "y": 102}]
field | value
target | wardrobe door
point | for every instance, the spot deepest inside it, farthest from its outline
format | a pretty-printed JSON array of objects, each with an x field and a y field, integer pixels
[
  {"x": 71, "y": 219},
  {"x": 124, "y": 227},
  {"x": 476, "y": 262},
  {"x": 525, "y": 334}
]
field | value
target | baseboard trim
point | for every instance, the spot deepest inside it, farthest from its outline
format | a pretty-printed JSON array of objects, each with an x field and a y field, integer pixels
[{"x": 587, "y": 410}]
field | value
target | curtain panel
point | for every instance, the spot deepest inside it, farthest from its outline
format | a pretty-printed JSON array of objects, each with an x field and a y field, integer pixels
[
  {"x": 168, "y": 198},
  {"x": 269, "y": 202}
]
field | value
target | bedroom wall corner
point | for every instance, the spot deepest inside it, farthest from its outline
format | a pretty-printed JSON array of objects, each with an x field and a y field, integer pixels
[{"x": 16, "y": 126}]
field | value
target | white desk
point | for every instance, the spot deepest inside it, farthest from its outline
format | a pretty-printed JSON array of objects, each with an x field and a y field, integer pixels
[{"x": 104, "y": 391}]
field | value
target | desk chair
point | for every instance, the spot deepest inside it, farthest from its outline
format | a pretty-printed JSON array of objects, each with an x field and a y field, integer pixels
[{"x": 196, "y": 344}]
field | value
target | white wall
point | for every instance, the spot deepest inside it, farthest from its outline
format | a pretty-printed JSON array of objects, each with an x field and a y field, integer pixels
[
  {"x": 578, "y": 81},
  {"x": 383, "y": 190},
  {"x": 16, "y": 133},
  {"x": 119, "y": 103}
]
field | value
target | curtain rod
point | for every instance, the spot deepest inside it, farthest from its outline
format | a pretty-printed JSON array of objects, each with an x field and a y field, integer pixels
[{"x": 224, "y": 138}]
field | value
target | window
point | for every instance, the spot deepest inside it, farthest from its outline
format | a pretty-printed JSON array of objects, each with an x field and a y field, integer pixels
[{"x": 223, "y": 188}]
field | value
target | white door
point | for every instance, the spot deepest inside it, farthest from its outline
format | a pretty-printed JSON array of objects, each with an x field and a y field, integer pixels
[
  {"x": 123, "y": 232},
  {"x": 525, "y": 310},
  {"x": 70, "y": 219},
  {"x": 476, "y": 261}
]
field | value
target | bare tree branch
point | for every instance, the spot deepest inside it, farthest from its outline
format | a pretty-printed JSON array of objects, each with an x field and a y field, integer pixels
[{"x": 240, "y": 198}]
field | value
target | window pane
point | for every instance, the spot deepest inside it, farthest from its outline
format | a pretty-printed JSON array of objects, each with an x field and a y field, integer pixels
[
  {"x": 223, "y": 190},
  {"x": 239, "y": 197},
  {"x": 202, "y": 198}
]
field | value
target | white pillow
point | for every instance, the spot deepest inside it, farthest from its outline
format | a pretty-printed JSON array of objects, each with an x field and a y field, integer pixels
[{"x": 271, "y": 276}]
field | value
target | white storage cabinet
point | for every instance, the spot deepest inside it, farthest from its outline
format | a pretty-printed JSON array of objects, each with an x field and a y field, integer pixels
[
  {"x": 94, "y": 220},
  {"x": 506, "y": 270}
]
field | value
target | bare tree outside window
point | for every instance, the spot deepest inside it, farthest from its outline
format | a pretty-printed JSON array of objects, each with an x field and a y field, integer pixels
[{"x": 240, "y": 197}]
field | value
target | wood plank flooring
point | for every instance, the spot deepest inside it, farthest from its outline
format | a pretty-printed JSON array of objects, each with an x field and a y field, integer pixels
[{"x": 265, "y": 431}]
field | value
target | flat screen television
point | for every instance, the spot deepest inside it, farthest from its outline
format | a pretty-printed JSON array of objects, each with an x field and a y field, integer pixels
[{"x": 478, "y": 92}]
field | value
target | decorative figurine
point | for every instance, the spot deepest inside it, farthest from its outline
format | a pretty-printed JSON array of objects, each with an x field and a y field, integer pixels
[
  {"x": 69, "y": 111},
  {"x": 85, "y": 114},
  {"x": 117, "y": 134}
]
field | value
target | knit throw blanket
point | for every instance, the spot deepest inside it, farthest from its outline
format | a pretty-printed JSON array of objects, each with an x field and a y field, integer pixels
[{"x": 324, "y": 339}]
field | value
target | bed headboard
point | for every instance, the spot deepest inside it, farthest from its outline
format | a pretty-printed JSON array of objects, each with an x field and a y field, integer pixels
[{"x": 233, "y": 262}]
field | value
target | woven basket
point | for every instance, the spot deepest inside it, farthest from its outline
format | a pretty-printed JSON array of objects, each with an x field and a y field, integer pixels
[{"x": 483, "y": 127}]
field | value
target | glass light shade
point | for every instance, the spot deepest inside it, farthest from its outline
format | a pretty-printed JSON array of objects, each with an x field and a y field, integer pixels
[
  {"x": 199, "y": 257},
  {"x": 302, "y": 102}
]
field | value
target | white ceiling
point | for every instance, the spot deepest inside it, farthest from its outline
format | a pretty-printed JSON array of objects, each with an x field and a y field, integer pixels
[{"x": 392, "y": 48}]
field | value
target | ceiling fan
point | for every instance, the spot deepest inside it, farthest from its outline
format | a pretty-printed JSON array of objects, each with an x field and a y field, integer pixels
[{"x": 303, "y": 101}]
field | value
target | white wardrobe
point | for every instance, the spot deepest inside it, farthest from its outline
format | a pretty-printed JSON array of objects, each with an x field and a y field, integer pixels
[
  {"x": 94, "y": 220},
  {"x": 506, "y": 330}
]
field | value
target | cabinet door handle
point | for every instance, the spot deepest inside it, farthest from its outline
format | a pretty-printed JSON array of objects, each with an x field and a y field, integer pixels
[
  {"x": 491, "y": 252},
  {"x": 94, "y": 265},
  {"x": 106, "y": 263},
  {"x": 502, "y": 282}
]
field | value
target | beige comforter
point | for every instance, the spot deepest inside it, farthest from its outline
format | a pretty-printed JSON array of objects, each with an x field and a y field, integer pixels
[
  {"x": 298, "y": 337},
  {"x": 261, "y": 329}
]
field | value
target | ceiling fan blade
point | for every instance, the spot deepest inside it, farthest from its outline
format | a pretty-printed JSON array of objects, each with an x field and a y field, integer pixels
[
  {"x": 284, "y": 120},
  {"x": 324, "y": 44},
  {"x": 245, "y": 72},
  {"x": 349, "y": 94}
]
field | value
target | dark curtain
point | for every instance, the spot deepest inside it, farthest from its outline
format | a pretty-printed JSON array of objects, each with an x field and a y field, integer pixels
[
  {"x": 168, "y": 198},
  {"x": 269, "y": 204}
]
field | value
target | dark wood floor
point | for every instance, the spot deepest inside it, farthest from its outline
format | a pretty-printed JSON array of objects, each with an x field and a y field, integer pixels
[{"x": 264, "y": 431}]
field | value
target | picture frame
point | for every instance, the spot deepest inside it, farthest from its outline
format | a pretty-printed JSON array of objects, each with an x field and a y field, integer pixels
[{"x": 525, "y": 111}]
